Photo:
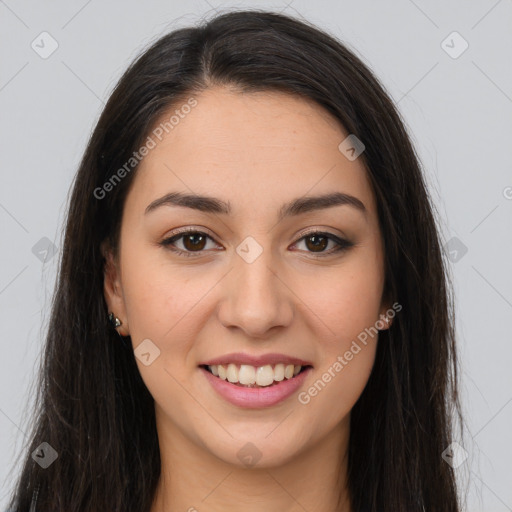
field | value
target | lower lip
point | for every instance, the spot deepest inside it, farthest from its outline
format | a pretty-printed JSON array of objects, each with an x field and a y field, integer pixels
[{"x": 255, "y": 398}]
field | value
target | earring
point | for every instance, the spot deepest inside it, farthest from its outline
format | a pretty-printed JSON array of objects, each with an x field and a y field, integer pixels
[
  {"x": 387, "y": 320},
  {"x": 114, "y": 321}
]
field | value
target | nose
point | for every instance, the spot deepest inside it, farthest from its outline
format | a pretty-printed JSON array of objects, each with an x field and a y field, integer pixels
[{"x": 255, "y": 299}]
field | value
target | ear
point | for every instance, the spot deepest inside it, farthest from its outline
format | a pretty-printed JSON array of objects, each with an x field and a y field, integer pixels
[
  {"x": 386, "y": 313},
  {"x": 112, "y": 289}
]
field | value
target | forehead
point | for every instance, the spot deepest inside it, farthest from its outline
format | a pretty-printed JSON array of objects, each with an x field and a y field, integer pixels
[{"x": 255, "y": 150}]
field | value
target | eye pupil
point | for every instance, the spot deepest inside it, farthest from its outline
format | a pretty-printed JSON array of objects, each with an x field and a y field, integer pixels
[
  {"x": 197, "y": 241},
  {"x": 319, "y": 242}
]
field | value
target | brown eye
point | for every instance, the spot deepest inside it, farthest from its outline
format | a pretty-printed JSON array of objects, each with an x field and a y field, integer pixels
[
  {"x": 190, "y": 243},
  {"x": 194, "y": 242},
  {"x": 316, "y": 243},
  {"x": 323, "y": 244}
]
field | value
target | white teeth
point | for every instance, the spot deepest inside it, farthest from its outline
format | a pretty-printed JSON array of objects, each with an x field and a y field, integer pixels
[
  {"x": 232, "y": 373},
  {"x": 248, "y": 375},
  {"x": 279, "y": 372},
  {"x": 265, "y": 375},
  {"x": 222, "y": 371}
]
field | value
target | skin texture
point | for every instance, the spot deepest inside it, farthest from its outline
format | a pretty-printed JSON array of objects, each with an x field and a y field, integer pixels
[{"x": 255, "y": 151}]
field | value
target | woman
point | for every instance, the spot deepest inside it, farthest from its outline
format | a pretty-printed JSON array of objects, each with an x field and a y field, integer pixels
[{"x": 252, "y": 309}]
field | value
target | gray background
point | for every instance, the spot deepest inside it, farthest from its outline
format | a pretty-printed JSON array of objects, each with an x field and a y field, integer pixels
[{"x": 458, "y": 111}]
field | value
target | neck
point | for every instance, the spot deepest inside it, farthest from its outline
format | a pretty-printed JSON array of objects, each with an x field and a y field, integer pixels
[{"x": 194, "y": 480}]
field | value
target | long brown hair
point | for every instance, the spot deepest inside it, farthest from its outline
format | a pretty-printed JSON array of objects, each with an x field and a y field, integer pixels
[{"x": 93, "y": 407}]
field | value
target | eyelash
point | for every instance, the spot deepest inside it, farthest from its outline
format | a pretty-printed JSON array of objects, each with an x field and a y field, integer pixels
[{"x": 342, "y": 243}]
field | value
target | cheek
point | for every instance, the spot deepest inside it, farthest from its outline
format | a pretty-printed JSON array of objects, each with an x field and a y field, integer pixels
[
  {"x": 161, "y": 297},
  {"x": 348, "y": 304},
  {"x": 346, "y": 299},
  {"x": 348, "y": 352},
  {"x": 338, "y": 384},
  {"x": 168, "y": 305}
]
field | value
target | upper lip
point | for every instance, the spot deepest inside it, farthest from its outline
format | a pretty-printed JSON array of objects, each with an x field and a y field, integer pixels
[{"x": 261, "y": 360}]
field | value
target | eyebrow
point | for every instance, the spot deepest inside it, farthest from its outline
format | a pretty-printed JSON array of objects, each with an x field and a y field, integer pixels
[{"x": 297, "y": 206}]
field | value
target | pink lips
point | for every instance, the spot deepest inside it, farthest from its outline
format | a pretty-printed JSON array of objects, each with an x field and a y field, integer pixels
[{"x": 255, "y": 398}]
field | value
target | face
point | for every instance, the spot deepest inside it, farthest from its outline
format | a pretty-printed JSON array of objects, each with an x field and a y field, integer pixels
[{"x": 266, "y": 277}]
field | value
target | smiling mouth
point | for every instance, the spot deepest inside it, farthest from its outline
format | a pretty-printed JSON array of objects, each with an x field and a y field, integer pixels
[{"x": 247, "y": 376}]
